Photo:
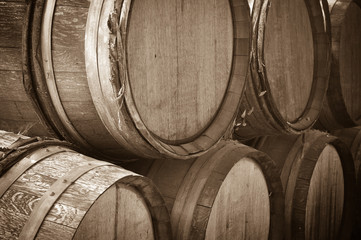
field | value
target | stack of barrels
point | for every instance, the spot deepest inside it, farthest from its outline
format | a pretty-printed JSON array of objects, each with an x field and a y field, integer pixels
[{"x": 200, "y": 113}]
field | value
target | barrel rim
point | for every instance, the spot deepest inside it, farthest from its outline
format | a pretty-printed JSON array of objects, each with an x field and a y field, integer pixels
[
  {"x": 153, "y": 199},
  {"x": 336, "y": 104},
  {"x": 124, "y": 107},
  {"x": 308, "y": 164},
  {"x": 31, "y": 151},
  {"x": 228, "y": 150},
  {"x": 41, "y": 90},
  {"x": 321, "y": 71}
]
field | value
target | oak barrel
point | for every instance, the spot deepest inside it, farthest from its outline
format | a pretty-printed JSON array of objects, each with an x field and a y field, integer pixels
[
  {"x": 53, "y": 192},
  {"x": 289, "y": 68},
  {"x": 342, "y": 107},
  {"x": 156, "y": 79},
  {"x": 232, "y": 192},
  {"x": 318, "y": 179},
  {"x": 16, "y": 109},
  {"x": 352, "y": 138}
]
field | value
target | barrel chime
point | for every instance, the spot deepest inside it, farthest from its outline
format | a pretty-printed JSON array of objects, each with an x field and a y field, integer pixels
[{"x": 129, "y": 119}]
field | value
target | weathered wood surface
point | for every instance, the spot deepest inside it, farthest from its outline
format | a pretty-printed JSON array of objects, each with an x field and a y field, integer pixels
[
  {"x": 129, "y": 222},
  {"x": 232, "y": 192},
  {"x": 184, "y": 51},
  {"x": 341, "y": 108},
  {"x": 14, "y": 101},
  {"x": 326, "y": 195},
  {"x": 123, "y": 192},
  {"x": 290, "y": 51},
  {"x": 352, "y": 138},
  {"x": 289, "y": 57},
  {"x": 230, "y": 220},
  {"x": 50, "y": 61},
  {"x": 125, "y": 87},
  {"x": 11, "y": 16},
  {"x": 318, "y": 180}
]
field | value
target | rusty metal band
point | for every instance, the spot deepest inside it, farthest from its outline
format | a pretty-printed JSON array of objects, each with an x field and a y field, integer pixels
[
  {"x": 18, "y": 169},
  {"x": 47, "y": 61},
  {"x": 46, "y": 202}
]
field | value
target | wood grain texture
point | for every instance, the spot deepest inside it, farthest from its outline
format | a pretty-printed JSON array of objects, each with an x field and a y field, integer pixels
[
  {"x": 340, "y": 109},
  {"x": 290, "y": 49},
  {"x": 21, "y": 72},
  {"x": 11, "y": 85},
  {"x": 123, "y": 193},
  {"x": 17, "y": 112},
  {"x": 318, "y": 180},
  {"x": 49, "y": 57},
  {"x": 323, "y": 211},
  {"x": 10, "y": 59},
  {"x": 11, "y": 23},
  {"x": 130, "y": 220},
  {"x": 183, "y": 51},
  {"x": 289, "y": 56},
  {"x": 235, "y": 217},
  {"x": 108, "y": 52},
  {"x": 350, "y": 60},
  {"x": 352, "y": 138},
  {"x": 68, "y": 39},
  {"x": 210, "y": 199}
]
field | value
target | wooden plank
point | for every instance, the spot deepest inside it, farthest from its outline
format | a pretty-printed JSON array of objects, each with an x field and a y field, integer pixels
[
  {"x": 11, "y": 23},
  {"x": 19, "y": 168},
  {"x": 350, "y": 60},
  {"x": 75, "y": 3},
  {"x": 10, "y": 59},
  {"x": 67, "y": 60},
  {"x": 79, "y": 110},
  {"x": 47, "y": 60},
  {"x": 134, "y": 220},
  {"x": 11, "y": 86},
  {"x": 326, "y": 197},
  {"x": 317, "y": 183},
  {"x": 72, "y": 205},
  {"x": 73, "y": 87},
  {"x": 286, "y": 43},
  {"x": 96, "y": 134},
  {"x": 241, "y": 209},
  {"x": 211, "y": 189},
  {"x": 68, "y": 39},
  {"x": 190, "y": 190},
  {"x": 104, "y": 208},
  {"x": 50, "y": 230},
  {"x": 15, "y": 208},
  {"x": 10, "y": 221},
  {"x": 184, "y": 52}
]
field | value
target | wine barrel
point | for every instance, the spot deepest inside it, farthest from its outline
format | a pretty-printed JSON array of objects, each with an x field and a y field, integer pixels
[
  {"x": 289, "y": 68},
  {"x": 341, "y": 108},
  {"x": 352, "y": 138},
  {"x": 232, "y": 192},
  {"x": 52, "y": 192},
  {"x": 318, "y": 179},
  {"x": 16, "y": 109},
  {"x": 156, "y": 79}
]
